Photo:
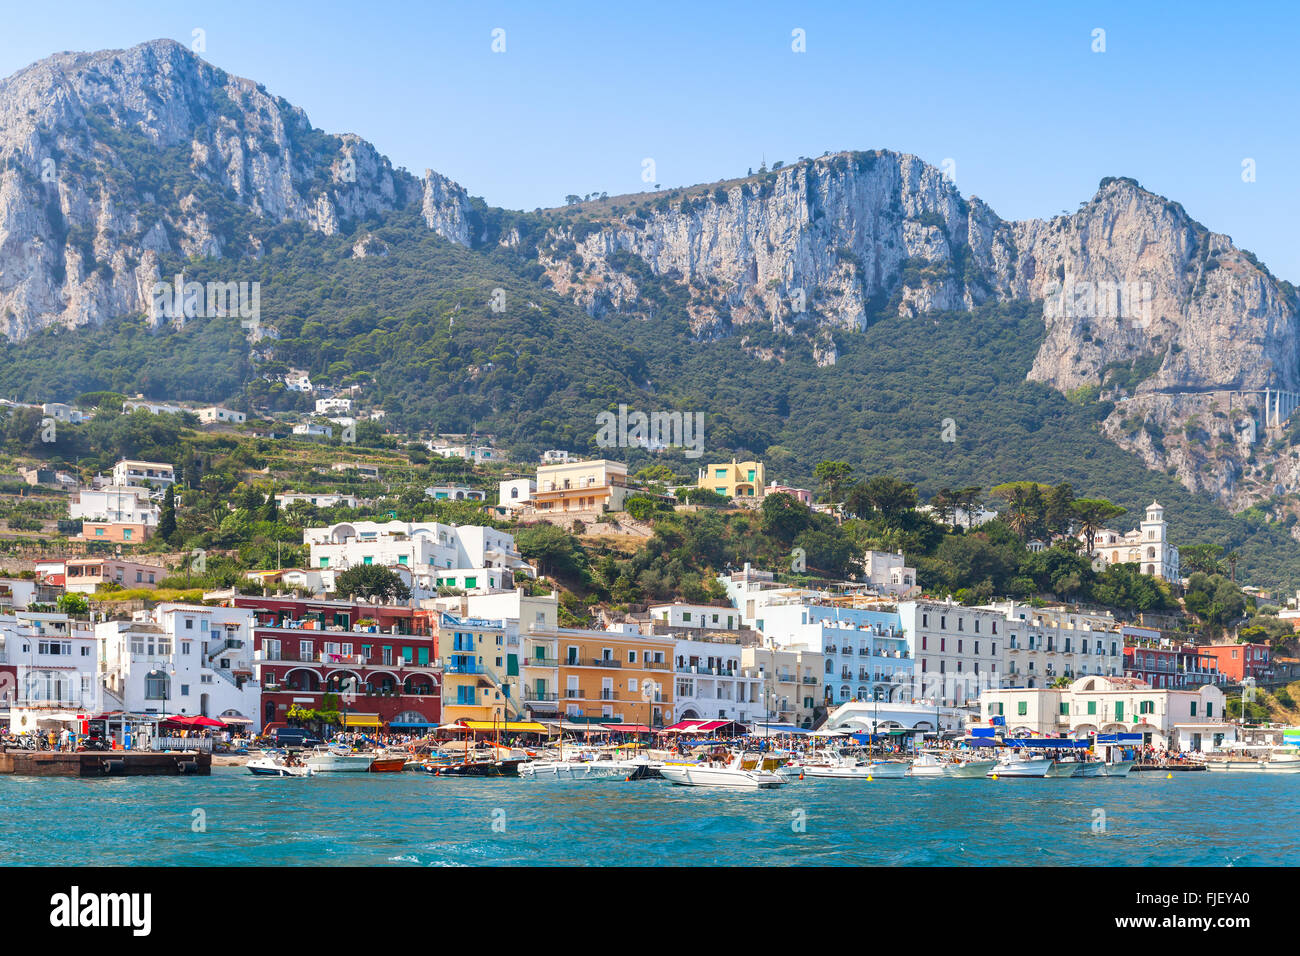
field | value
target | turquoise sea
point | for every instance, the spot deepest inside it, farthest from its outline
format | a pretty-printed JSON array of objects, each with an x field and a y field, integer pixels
[{"x": 233, "y": 818}]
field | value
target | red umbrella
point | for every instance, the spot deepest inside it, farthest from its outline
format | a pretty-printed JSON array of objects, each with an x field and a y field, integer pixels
[{"x": 201, "y": 721}]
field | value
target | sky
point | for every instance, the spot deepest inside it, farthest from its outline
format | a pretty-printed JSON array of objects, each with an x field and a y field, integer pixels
[{"x": 1031, "y": 105}]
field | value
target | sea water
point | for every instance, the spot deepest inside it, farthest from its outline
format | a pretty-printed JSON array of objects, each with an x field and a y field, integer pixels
[{"x": 234, "y": 818}]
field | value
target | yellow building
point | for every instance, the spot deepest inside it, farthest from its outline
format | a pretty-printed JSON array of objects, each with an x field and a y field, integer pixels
[
  {"x": 581, "y": 486},
  {"x": 474, "y": 682},
  {"x": 613, "y": 676},
  {"x": 743, "y": 479}
]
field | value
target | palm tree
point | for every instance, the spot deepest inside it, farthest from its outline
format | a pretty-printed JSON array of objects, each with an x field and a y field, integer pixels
[{"x": 1232, "y": 557}]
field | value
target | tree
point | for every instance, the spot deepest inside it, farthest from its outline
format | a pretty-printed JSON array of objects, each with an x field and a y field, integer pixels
[
  {"x": 1092, "y": 515},
  {"x": 1058, "y": 509},
  {"x": 890, "y": 497},
  {"x": 784, "y": 516},
  {"x": 73, "y": 603},
  {"x": 832, "y": 475},
  {"x": 552, "y": 549},
  {"x": 371, "y": 580},
  {"x": 167, "y": 519},
  {"x": 1200, "y": 557}
]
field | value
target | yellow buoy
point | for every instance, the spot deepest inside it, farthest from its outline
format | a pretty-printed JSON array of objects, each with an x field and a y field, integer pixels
[
  {"x": 995, "y": 776},
  {"x": 1169, "y": 776},
  {"x": 868, "y": 778}
]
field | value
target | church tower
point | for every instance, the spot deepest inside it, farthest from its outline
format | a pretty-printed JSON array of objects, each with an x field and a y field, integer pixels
[{"x": 1154, "y": 542}]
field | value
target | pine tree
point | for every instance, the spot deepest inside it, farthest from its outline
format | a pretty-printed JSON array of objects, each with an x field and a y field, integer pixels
[{"x": 167, "y": 520}]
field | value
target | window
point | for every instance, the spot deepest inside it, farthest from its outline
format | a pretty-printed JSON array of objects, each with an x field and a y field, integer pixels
[
  {"x": 185, "y": 647},
  {"x": 631, "y": 659},
  {"x": 1065, "y": 709},
  {"x": 1022, "y": 708},
  {"x": 1119, "y": 710},
  {"x": 1209, "y": 709},
  {"x": 1193, "y": 708},
  {"x": 1092, "y": 707},
  {"x": 189, "y": 624}
]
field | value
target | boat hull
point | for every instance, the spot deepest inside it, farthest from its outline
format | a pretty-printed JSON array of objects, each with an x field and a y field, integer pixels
[
  {"x": 866, "y": 771},
  {"x": 1120, "y": 768},
  {"x": 1253, "y": 766},
  {"x": 269, "y": 768},
  {"x": 685, "y": 775},
  {"x": 1021, "y": 768},
  {"x": 972, "y": 768},
  {"x": 1091, "y": 768},
  {"x": 498, "y": 768},
  {"x": 388, "y": 765},
  {"x": 340, "y": 763},
  {"x": 572, "y": 770}
]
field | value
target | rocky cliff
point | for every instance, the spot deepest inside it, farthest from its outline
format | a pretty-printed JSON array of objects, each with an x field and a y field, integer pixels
[{"x": 109, "y": 160}]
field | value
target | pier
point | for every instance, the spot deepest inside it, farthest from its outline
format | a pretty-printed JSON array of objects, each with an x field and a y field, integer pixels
[{"x": 107, "y": 763}]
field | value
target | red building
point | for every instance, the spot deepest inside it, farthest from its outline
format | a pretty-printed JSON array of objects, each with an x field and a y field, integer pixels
[
  {"x": 1164, "y": 664},
  {"x": 381, "y": 660},
  {"x": 1237, "y": 661}
]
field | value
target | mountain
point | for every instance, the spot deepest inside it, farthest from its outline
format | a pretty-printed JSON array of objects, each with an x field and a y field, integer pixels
[
  {"x": 110, "y": 161},
  {"x": 743, "y": 298}
]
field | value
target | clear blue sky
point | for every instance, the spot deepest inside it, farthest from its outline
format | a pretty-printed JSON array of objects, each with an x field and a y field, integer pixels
[{"x": 1012, "y": 92}]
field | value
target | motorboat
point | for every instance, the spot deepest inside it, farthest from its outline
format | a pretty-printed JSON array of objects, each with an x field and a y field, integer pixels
[
  {"x": 930, "y": 764},
  {"x": 1245, "y": 758},
  {"x": 476, "y": 768},
  {"x": 716, "y": 773},
  {"x": 274, "y": 767},
  {"x": 848, "y": 767},
  {"x": 386, "y": 763},
  {"x": 340, "y": 761},
  {"x": 1115, "y": 768},
  {"x": 1089, "y": 768},
  {"x": 573, "y": 769},
  {"x": 1012, "y": 765}
]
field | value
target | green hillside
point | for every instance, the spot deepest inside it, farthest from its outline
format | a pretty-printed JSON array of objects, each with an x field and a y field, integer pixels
[{"x": 417, "y": 322}]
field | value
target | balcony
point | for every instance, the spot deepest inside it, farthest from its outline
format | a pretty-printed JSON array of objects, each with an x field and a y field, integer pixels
[
  {"x": 540, "y": 662},
  {"x": 530, "y": 694},
  {"x": 596, "y": 662}
]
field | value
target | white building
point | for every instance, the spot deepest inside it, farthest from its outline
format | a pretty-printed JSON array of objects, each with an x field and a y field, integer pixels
[
  {"x": 431, "y": 554},
  {"x": 1147, "y": 546},
  {"x": 555, "y": 456},
  {"x": 959, "y": 650},
  {"x": 880, "y": 717},
  {"x": 516, "y": 493},
  {"x": 64, "y": 413},
  {"x": 702, "y": 616},
  {"x": 215, "y": 413},
  {"x": 710, "y": 683},
  {"x": 1045, "y": 644},
  {"x": 142, "y": 474},
  {"x": 55, "y": 671},
  {"x": 298, "y": 381},
  {"x": 888, "y": 573},
  {"x": 182, "y": 659},
  {"x": 1167, "y": 719},
  {"x": 316, "y": 499},
  {"x": 455, "y": 493},
  {"x": 790, "y": 689},
  {"x": 312, "y": 430},
  {"x": 153, "y": 408},
  {"x": 116, "y": 504},
  {"x": 865, "y": 653},
  {"x": 470, "y": 452},
  {"x": 329, "y": 406}
]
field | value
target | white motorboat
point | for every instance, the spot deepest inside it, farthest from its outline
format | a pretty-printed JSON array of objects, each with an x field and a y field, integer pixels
[
  {"x": 573, "y": 769},
  {"x": 1115, "y": 768},
  {"x": 850, "y": 767},
  {"x": 1089, "y": 768},
  {"x": 731, "y": 775},
  {"x": 1016, "y": 766},
  {"x": 271, "y": 767},
  {"x": 1062, "y": 767},
  {"x": 335, "y": 761},
  {"x": 930, "y": 764},
  {"x": 1245, "y": 758}
]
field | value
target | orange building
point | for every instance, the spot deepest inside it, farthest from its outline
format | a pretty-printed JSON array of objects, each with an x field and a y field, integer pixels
[{"x": 613, "y": 676}]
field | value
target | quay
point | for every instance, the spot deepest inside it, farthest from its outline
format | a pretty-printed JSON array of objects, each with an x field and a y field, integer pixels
[
  {"x": 108, "y": 763},
  {"x": 1172, "y": 768}
]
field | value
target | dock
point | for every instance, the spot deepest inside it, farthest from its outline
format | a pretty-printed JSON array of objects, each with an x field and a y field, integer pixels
[
  {"x": 1171, "y": 768},
  {"x": 105, "y": 763}
]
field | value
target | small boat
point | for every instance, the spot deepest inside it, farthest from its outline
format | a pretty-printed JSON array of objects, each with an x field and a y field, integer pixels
[
  {"x": 1089, "y": 768},
  {"x": 1062, "y": 767},
  {"x": 271, "y": 767},
  {"x": 1014, "y": 766},
  {"x": 1244, "y": 758},
  {"x": 337, "y": 761},
  {"x": 386, "y": 764},
  {"x": 1115, "y": 768},
  {"x": 973, "y": 767},
  {"x": 573, "y": 769},
  {"x": 476, "y": 768},
  {"x": 930, "y": 764},
  {"x": 731, "y": 775}
]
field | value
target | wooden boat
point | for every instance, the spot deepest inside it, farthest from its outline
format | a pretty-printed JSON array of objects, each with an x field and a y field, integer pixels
[
  {"x": 476, "y": 768},
  {"x": 387, "y": 764}
]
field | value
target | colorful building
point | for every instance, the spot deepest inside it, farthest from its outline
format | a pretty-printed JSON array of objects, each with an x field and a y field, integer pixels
[
  {"x": 380, "y": 661},
  {"x": 742, "y": 479},
  {"x": 477, "y": 669},
  {"x": 613, "y": 676},
  {"x": 1238, "y": 661},
  {"x": 586, "y": 486}
]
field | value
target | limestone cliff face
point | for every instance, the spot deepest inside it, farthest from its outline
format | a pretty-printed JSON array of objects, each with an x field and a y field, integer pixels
[
  {"x": 1158, "y": 314},
  {"x": 109, "y": 160}
]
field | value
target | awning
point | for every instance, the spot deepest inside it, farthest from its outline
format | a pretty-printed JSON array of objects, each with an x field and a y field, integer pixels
[
  {"x": 410, "y": 724},
  {"x": 360, "y": 720},
  {"x": 235, "y": 720},
  {"x": 508, "y": 726},
  {"x": 628, "y": 728},
  {"x": 698, "y": 726}
]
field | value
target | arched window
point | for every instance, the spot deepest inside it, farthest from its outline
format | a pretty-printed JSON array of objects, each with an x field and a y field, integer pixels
[
  {"x": 830, "y": 666},
  {"x": 156, "y": 686}
]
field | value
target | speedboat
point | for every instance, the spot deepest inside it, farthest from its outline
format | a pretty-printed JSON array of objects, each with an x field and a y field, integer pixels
[
  {"x": 1015, "y": 766},
  {"x": 930, "y": 764},
  {"x": 271, "y": 767},
  {"x": 847, "y": 767},
  {"x": 1062, "y": 767},
  {"x": 337, "y": 761},
  {"x": 573, "y": 769},
  {"x": 1255, "y": 759},
  {"x": 731, "y": 775},
  {"x": 387, "y": 763}
]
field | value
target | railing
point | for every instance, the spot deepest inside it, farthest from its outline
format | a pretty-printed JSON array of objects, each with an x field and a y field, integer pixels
[
  {"x": 608, "y": 694},
  {"x": 539, "y": 695},
  {"x": 540, "y": 662},
  {"x": 201, "y": 744},
  {"x": 598, "y": 662}
]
